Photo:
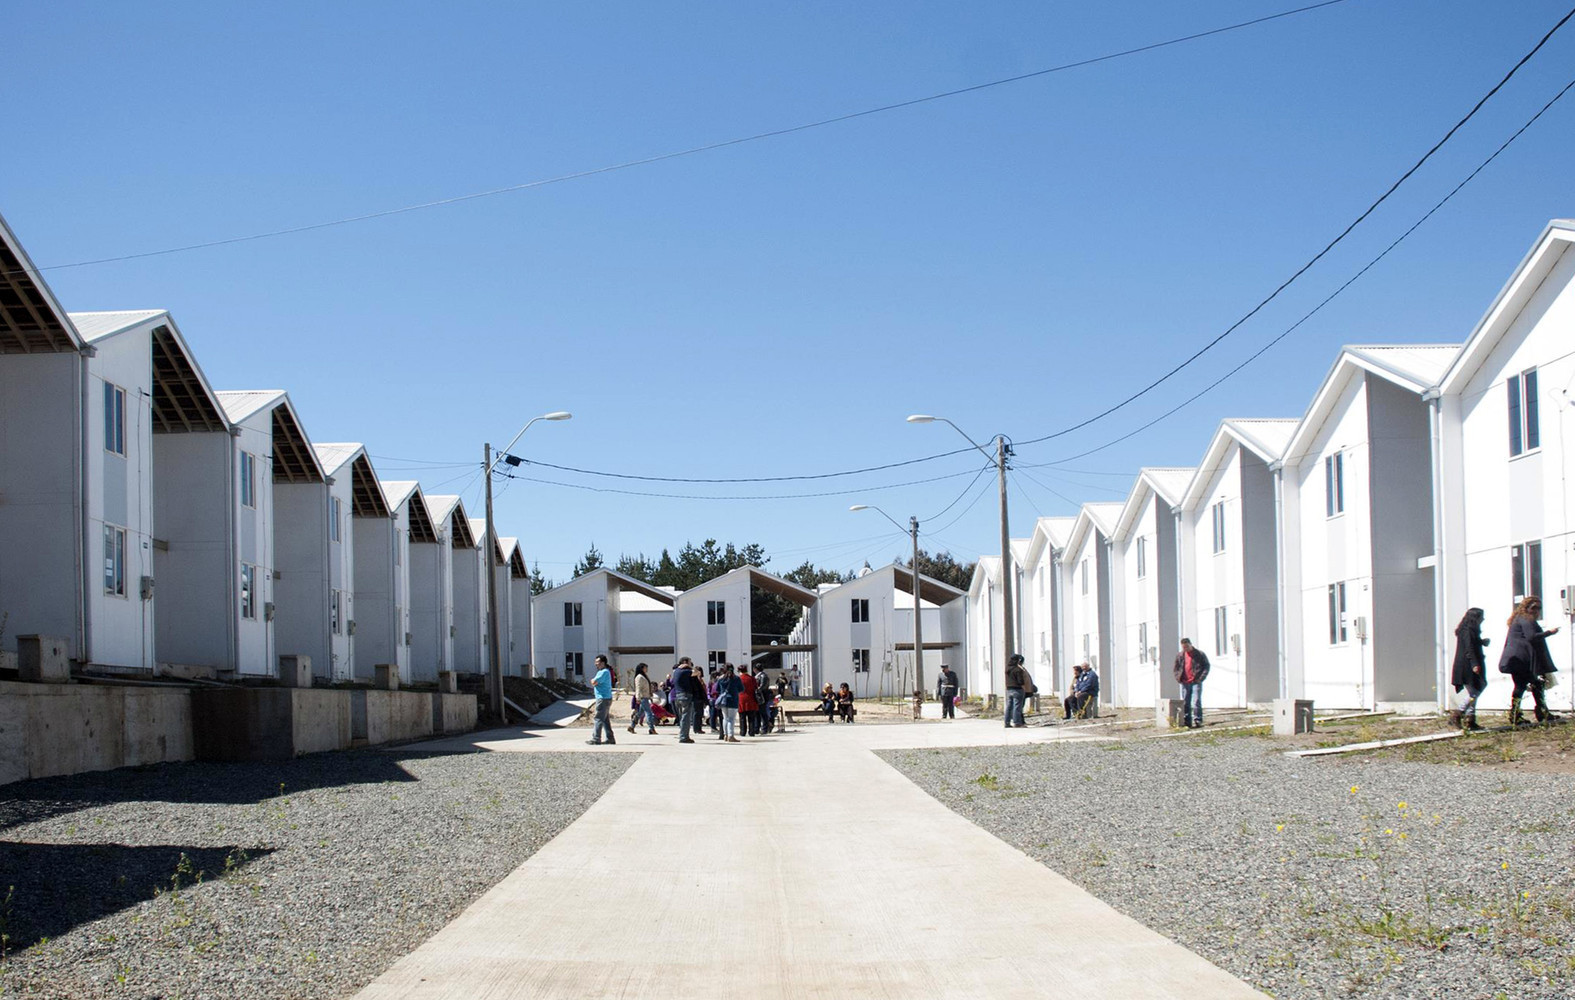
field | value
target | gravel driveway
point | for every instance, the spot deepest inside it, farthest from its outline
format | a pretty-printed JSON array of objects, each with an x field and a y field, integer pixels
[
  {"x": 1307, "y": 878},
  {"x": 300, "y": 879}
]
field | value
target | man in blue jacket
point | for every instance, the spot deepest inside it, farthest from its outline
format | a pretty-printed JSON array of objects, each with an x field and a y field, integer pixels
[
  {"x": 602, "y": 690},
  {"x": 1085, "y": 690},
  {"x": 684, "y": 698}
]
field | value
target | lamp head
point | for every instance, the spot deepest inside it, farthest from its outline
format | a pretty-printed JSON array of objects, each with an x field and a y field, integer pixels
[
  {"x": 859, "y": 506},
  {"x": 558, "y": 415},
  {"x": 921, "y": 418}
]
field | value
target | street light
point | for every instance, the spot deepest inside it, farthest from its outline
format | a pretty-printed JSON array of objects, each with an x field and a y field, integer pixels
[
  {"x": 494, "y": 650},
  {"x": 1002, "y": 451},
  {"x": 918, "y": 634}
]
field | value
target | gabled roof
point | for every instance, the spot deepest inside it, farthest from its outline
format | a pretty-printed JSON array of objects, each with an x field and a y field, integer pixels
[
  {"x": 1264, "y": 438},
  {"x": 294, "y": 461},
  {"x": 1099, "y": 517},
  {"x": 31, "y": 319},
  {"x": 619, "y": 581},
  {"x": 1169, "y": 484},
  {"x": 768, "y": 582},
  {"x": 366, "y": 493},
  {"x": 96, "y": 326},
  {"x": 1556, "y": 240},
  {"x": 1051, "y": 532},
  {"x": 334, "y": 456},
  {"x": 478, "y": 530},
  {"x": 900, "y": 577},
  {"x": 399, "y": 492},
  {"x": 987, "y": 569},
  {"x": 240, "y": 404},
  {"x": 515, "y": 558},
  {"x": 449, "y": 509},
  {"x": 1415, "y": 367},
  {"x": 183, "y": 400}
]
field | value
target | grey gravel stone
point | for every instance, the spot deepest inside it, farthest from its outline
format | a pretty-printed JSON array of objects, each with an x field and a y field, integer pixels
[
  {"x": 1307, "y": 878},
  {"x": 301, "y": 879}
]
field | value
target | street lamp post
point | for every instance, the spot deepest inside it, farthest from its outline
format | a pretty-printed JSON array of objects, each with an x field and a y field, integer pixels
[
  {"x": 494, "y": 650},
  {"x": 918, "y": 632},
  {"x": 1002, "y": 451}
]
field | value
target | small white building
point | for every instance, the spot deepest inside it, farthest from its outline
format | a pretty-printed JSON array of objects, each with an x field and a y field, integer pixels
[
  {"x": 866, "y": 632},
  {"x": 434, "y": 584},
  {"x": 354, "y": 495},
  {"x": 603, "y": 612},
  {"x": 384, "y": 631},
  {"x": 484, "y": 564},
  {"x": 714, "y": 623},
  {"x": 1357, "y": 541},
  {"x": 1090, "y": 568},
  {"x": 1230, "y": 562},
  {"x": 1146, "y": 611},
  {"x": 518, "y": 663},
  {"x": 1505, "y": 415},
  {"x": 1044, "y": 604}
]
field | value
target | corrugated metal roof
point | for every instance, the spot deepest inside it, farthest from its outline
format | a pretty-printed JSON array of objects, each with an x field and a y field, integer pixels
[
  {"x": 397, "y": 491},
  {"x": 240, "y": 405},
  {"x": 1103, "y": 514},
  {"x": 1423, "y": 364},
  {"x": 441, "y": 506},
  {"x": 334, "y": 456},
  {"x": 1267, "y": 436},
  {"x": 1170, "y": 483},
  {"x": 99, "y": 325}
]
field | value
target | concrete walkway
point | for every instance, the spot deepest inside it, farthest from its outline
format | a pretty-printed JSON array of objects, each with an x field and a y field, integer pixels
[{"x": 796, "y": 865}]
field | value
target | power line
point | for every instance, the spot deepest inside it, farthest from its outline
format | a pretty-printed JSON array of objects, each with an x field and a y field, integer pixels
[
  {"x": 1316, "y": 257},
  {"x": 707, "y": 148},
  {"x": 744, "y": 479},
  {"x": 971, "y": 483},
  {"x": 692, "y": 496}
]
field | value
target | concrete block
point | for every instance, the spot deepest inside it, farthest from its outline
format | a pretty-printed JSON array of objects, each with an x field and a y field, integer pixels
[
  {"x": 269, "y": 723},
  {"x": 397, "y": 715},
  {"x": 295, "y": 671},
  {"x": 448, "y": 682},
  {"x": 7, "y": 660},
  {"x": 1168, "y": 713},
  {"x": 75, "y": 729},
  {"x": 386, "y": 677},
  {"x": 157, "y": 726},
  {"x": 187, "y": 671},
  {"x": 319, "y": 720},
  {"x": 457, "y": 711},
  {"x": 13, "y": 733},
  {"x": 1292, "y": 716},
  {"x": 42, "y": 659}
]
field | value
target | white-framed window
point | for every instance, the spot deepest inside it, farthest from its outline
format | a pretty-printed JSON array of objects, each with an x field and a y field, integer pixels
[
  {"x": 114, "y": 560},
  {"x": 1082, "y": 575},
  {"x": 861, "y": 609},
  {"x": 335, "y": 515},
  {"x": 1525, "y": 432},
  {"x": 1526, "y": 567},
  {"x": 1142, "y": 556},
  {"x": 1142, "y": 642},
  {"x": 248, "y": 591},
  {"x": 716, "y": 612},
  {"x": 248, "y": 479},
  {"x": 573, "y": 614},
  {"x": 336, "y": 611},
  {"x": 114, "y": 419},
  {"x": 716, "y": 658},
  {"x": 1217, "y": 515},
  {"x": 861, "y": 661},
  {"x": 1337, "y": 624},
  {"x": 1221, "y": 631},
  {"x": 1334, "y": 484},
  {"x": 573, "y": 663}
]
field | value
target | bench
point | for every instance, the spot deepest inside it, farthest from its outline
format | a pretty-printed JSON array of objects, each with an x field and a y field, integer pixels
[{"x": 809, "y": 714}]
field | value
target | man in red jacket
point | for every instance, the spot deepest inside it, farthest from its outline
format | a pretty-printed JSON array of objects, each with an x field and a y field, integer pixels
[{"x": 1191, "y": 667}]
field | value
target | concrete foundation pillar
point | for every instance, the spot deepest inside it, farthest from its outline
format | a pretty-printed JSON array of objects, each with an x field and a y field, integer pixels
[
  {"x": 1168, "y": 713},
  {"x": 448, "y": 682},
  {"x": 42, "y": 659},
  {"x": 1292, "y": 716},
  {"x": 386, "y": 677},
  {"x": 295, "y": 671}
]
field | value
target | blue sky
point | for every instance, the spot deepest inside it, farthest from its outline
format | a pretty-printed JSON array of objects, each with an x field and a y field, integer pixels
[{"x": 1015, "y": 258}]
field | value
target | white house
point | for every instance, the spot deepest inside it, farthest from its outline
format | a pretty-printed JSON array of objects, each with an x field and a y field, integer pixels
[
  {"x": 436, "y": 581},
  {"x": 483, "y": 565},
  {"x": 713, "y": 619},
  {"x": 354, "y": 495},
  {"x": 1089, "y": 565},
  {"x": 603, "y": 612},
  {"x": 1044, "y": 578},
  {"x": 866, "y": 627},
  {"x": 1505, "y": 417},
  {"x": 1146, "y": 613},
  {"x": 384, "y": 632},
  {"x": 1357, "y": 540},
  {"x": 519, "y": 659},
  {"x": 1230, "y": 562}
]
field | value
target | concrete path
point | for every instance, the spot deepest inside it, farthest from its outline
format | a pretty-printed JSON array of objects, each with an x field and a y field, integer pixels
[
  {"x": 796, "y": 865},
  {"x": 563, "y": 712}
]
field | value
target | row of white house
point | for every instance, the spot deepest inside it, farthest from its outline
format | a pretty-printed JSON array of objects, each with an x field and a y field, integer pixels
[
  {"x": 150, "y": 520},
  {"x": 1329, "y": 556}
]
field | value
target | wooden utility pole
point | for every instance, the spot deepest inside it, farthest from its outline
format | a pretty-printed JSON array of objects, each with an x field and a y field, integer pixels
[
  {"x": 918, "y": 632},
  {"x": 494, "y": 654},
  {"x": 1008, "y": 633}
]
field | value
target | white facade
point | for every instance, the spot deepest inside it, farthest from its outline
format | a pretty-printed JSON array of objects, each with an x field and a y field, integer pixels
[
  {"x": 1090, "y": 602},
  {"x": 1044, "y": 582},
  {"x": 432, "y": 616},
  {"x": 517, "y": 664},
  {"x": 383, "y": 547},
  {"x": 1230, "y": 565},
  {"x": 1146, "y": 546},
  {"x": 713, "y": 619},
  {"x": 602, "y": 612},
  {"x": 866, "y": 632}
]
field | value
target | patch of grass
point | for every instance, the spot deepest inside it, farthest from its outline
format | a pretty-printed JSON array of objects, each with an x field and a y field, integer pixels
[{"x": 989, "y": 782}]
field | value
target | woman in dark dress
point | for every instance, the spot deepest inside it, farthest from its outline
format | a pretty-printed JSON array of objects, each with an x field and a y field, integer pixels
[
  {"x": 1469, "y": 676},
  {"x": 845, "y": 708},
  {"x": 1526, "y": 659}
]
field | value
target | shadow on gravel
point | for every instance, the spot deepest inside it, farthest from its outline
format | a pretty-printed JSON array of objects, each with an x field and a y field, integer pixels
[
  {"x": 47, "y": 889},
  {"x": 196, "y": 782}
]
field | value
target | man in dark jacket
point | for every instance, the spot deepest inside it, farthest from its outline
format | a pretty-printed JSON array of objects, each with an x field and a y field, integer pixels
[
  {"x": 1018, "y": 686},
  {"x": 946, "y": 692},
  {"x": 1191, "y": 667},
  {"x": 684, "y": 698}
]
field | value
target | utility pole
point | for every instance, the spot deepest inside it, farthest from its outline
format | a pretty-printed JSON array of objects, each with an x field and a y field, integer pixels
[
  {"x": 918, "y": 633},
  {"x": 494, "y": 654},
  {"x": 1008, "y": 637}
]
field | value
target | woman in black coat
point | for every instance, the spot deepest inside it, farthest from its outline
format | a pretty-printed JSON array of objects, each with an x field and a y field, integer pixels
[
  {"x": 1525, "y": 657},
  {"x": 1469, "y": 675}
]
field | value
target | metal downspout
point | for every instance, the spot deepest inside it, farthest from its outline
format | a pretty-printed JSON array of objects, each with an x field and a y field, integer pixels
[
  {"x": 1277, "y": 470},
  {"x": 1440, "y": 564},
  {"x": 80, "y": 503}
]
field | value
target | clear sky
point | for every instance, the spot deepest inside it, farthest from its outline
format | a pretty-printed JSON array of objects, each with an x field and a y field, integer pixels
[{"x": 1015, "y": 258}]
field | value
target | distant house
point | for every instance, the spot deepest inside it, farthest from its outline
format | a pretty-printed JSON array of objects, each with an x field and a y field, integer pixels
[
  {"x": 354, "y": 496},
  {"x": 1089, "y": 564},
  {"x": 714, "y": 619},
  {"x": 382, "y": 579},
  {"x": 1506, "y": 415},
  {"x": 1146, "y": 613},
  {"x": 1044, "y": 604},
  {"x": 1358, "y": 549},
  {"x": 1230, "y": 562},
  {"x": 866, "y": 631},
  {"x": 517, "y": 664},
  {"x": 483, "y": 564},
  {"x": 436, "y": 580},
  {"x": 602, "y": 612}
]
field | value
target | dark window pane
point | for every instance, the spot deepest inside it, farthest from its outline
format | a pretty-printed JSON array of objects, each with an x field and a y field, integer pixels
[
  {"x": 1513, "y": 384},
  {"x": 1529, "y": 404}
]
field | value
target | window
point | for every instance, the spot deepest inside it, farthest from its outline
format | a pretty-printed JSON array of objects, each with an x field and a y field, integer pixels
[
  {"x": 572, "y": 614},
  {"x": 248, "y": 591},
  {"x": 861, "y": 661},
  {"x": 1218, "y": 515},
  {"x": 716, "y": 658},
  {"x": 1337, "y": 633},
  {"x": 1082, "y": 573},
  {"x": 114, "y": 560},
  {"x": 335, "y": 512},
  {"x": 716, "y": 612},
  {"x": 1142, "y": 557},
  {"x": 248, "y": 479},
  {"x": 573, "y": 663},
  {"x": 1143, "y": 642},
  {"x": 1334, "y": 484},
  {"x": 1525, "y": 434},
  {"x": 861, "y": 609},
  {"x": 1085, "y": 645},
  {"x": 1526, "y": 565},
  {"x": 1221, "y": 631},
  {"x": 336, "y": 611},
  {"x": 114, "y": 419}
]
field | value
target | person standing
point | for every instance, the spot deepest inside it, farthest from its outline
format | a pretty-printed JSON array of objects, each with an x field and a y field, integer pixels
[
  {"x": 748, "y": 704},
  {"x": 793, "y": 676},
  {"x": 1469, "y": 676},
  {"x": 683, "y": 699},
  {"x": 728, "y": 688},
  {"x": 946, "y": 692},
  {"x": 1018, "y": 686},
  {"x": 642, "y": 700},
  {"x": 1526, "y": 658},
  {"x": 602, "y": 687},
  {"x": 1190, "y": 668}
]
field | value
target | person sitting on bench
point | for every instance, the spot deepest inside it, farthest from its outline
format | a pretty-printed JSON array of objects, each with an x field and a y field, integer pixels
[
  {"x": 1084, "y": 693},
  {"x": 845, "y": 703},
  {"x": 828, "y": 703}
]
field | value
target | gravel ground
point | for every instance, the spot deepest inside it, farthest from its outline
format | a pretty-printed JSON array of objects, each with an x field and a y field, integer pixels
[
  {"x": 300, "y": 879},
  {"x": 1307, "y": 878}
]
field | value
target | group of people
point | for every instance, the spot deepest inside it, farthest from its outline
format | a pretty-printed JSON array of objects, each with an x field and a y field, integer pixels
[
  {"x": 1525, "y": 658},
  {"x": 732, "y": 701},
  {"x": 837, "y": 704}
]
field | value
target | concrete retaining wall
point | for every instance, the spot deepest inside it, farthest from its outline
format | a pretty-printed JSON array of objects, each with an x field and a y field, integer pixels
[
  {"x": 53, "y": 729},
  {"x": 269, "y": 723},
  {"x": 453, "y": 713},
  {"x": 398, "y": 715}
]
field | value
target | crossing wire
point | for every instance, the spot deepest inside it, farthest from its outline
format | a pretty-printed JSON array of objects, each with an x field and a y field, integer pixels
[{"x": 745, "y": 496}]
